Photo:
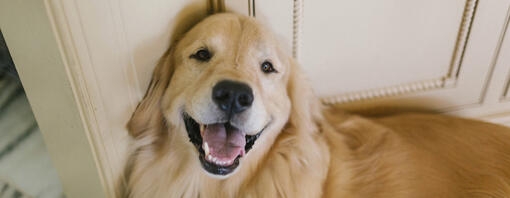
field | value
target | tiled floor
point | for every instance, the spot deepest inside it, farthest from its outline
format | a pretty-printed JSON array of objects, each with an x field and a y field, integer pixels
[{"x": 25, "y": 167}]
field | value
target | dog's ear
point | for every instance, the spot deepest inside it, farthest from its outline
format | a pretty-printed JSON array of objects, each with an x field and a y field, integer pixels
[
  {"x": 148, "y": 116},
  {"x": 306, "y": 107}
]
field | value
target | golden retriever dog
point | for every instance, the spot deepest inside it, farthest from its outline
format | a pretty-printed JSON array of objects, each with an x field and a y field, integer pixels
[{"x": 229, "y": 114}]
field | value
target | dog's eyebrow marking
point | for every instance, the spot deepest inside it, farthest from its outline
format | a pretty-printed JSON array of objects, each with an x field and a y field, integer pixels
[
  {"x": 236, "y": 62},
  {"x": 248, "y": 43},
  {"x": 240, "y": 43}
]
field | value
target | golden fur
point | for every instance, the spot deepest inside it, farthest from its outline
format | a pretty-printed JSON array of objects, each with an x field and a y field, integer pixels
[{"x": 308, "y": 150}]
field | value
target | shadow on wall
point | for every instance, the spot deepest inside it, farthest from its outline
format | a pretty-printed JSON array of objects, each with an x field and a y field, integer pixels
[{"x": 6, "y": 64}]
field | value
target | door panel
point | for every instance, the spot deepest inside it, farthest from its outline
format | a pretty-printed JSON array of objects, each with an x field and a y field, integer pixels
[
  {"x": 373, "y": 44},
  {"x": 434, "y": 53}
]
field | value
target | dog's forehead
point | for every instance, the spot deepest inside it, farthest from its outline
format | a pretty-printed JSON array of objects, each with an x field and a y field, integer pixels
[
  {"x": 232, "y": 37},
  {"x": 231, "y": 22},
  {"x": 223, "y": 27}
]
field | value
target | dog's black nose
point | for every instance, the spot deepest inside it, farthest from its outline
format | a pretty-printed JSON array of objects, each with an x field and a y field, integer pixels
[{"x": 232, "y": 97}]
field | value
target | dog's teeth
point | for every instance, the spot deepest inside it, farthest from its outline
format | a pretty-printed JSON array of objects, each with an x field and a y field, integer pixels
[
  {"x": 205, "y": 146},
  {"x": 218, "y": 161},
  {"x": 202, "y": 127}
]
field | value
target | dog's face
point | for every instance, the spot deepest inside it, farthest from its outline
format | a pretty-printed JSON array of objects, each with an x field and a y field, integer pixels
[{"x": 228, "y": 89}]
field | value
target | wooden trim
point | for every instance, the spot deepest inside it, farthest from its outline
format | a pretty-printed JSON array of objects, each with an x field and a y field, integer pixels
[
  {"x": 216, "y": 6},
  {"x": 297, "y": 26},
  {"x": 386, "y": 91},
  {"x": 503, "y": 40},
  {"x": 462, "y": 39},
  {"x": 107, "y": 145},
  {"x": 251, "y": 8}
]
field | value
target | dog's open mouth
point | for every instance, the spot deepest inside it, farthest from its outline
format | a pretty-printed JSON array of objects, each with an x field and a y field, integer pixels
[{"x": 220, "y": 145}]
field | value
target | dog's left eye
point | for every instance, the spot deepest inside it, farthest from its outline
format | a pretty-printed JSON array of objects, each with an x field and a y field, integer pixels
[
  {"x": 267, "y": 67},
  {"x": 202, "y": 55}
]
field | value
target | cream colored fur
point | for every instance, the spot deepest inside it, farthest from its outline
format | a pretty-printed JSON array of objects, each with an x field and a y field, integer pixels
[{"x": 308, "y": 150}]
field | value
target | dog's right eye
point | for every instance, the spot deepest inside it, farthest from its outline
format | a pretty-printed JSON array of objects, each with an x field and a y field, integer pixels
[
  {"x": 267, "y": 67},
  {"x": 202, "y": 55}
]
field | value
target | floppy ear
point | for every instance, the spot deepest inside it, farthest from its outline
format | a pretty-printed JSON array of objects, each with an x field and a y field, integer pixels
[
  {"x": 148, "y": 117},
  {"x": 306, "y": 107}
]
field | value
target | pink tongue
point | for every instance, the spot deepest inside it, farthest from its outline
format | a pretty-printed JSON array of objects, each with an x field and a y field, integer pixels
[{"x": 224, "y": 143}]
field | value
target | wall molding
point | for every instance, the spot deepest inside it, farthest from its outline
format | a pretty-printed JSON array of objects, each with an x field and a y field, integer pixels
[
  {"x": 449, "y": 79},
  {"x": 74, "y": 45},
  {"x": 297, "y": 27},
  {"x": 385, "y": 91},
  {"x": 504, "y": 95}
]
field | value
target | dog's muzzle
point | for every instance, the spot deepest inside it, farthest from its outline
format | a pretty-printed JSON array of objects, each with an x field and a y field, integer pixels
[{"x": 221, "y": 145}]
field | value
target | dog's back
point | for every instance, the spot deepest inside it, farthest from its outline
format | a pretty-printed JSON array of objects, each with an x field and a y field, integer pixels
[{"x": 417, "y": 155}]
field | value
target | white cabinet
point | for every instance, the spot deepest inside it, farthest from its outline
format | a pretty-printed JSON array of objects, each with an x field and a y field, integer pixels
[
  {"x": 85, "y": 64},
  {"x": 436, "y": 54}
]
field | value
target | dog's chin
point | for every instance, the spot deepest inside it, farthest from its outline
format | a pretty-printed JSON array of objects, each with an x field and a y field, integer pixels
[
  {"x": 218, "y": 171},
  {"x": 228, "y": 145}
]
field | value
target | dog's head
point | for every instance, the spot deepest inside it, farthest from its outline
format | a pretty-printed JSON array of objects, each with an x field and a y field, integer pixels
[{"x": 223, "y": 87}]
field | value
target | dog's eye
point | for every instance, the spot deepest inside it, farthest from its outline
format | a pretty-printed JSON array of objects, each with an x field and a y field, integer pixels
[
  {"x": 202, "y": 55},
  {"x": 267, "y": 67}
]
